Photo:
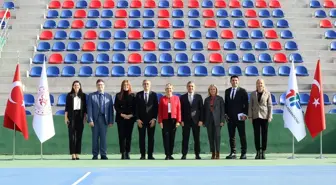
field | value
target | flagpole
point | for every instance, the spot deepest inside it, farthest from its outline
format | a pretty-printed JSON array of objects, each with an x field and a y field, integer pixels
[
  {"x": 293, "y": 149},
  {"x": 14, "y": 133},
  {"x": 321, "y": 147},
  {"x": 41, "y": 152}
]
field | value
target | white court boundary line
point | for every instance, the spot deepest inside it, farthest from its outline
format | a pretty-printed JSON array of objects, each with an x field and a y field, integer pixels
[{"x": 82, "y": 178}]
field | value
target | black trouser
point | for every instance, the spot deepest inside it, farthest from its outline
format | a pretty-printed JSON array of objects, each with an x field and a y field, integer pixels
[
  {"x": 125, "y": 130},
  {"x": 142, "y": 138},
  {"x": 260, "y": 124},
  {"x": 242, "y": 135},
  {"x": 75, "y": 129},
  {"x": 190, "y": 125},
  {"x": 168, "y": 135},
  {"x": 214, "y": 136}
]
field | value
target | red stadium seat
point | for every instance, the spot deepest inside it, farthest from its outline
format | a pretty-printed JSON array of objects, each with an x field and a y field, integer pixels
[
  {"x": 163, "y": 24},
  {"x": 54, "y": 5},
  {"x": 220, "y": 4},
  {"x": 77, "y": 24},
  {"x": 68, "y": 4},
  {"x": 89, "y": 46},
  {"x": 215, "y": 58},
  {"x": 80, "y": 14},
  {"x": 210, "y": 24},
  {"x": 275, "y": 45},
  {"x": 178, "y": 4},
  {"x": 274, "y": 4},
  {"x": 149, "y": 46},
  {"x": 95, "y": 4},
  {"x": 163, "y": 14},
  {"x": 108, "y": 4},
  {"x": 121, "y": 14},
  {"x": 134, "y": 35},
  {"x": 90, "y": 35},
  {"x": 2, "y": 14},
  {"x": 46, "y": 35},
  {"x": 234, "y": 4},
  {"x": 134, "y": 58},
  {"x": 280, "y": 58},
  {"x": 227, "y": 34},
  {"x": 253, "y": 23},
  {"x": 55, "y": 58},
  {"x": 120, "y": 24},
  {"x": 328, "y": 4},
  {"x": 208, "y": 13},
  {"x": 193, "y": 4},
  {"x": 136, "y": 4},
  {"x": 213, "y": 46},
  {"x": 325, "y": 24},
  {"x": 150, "y": 4},
  {"x": 179, "y": 34},
  {"x": 260, "y": 4},
  {"x": 271, "y": 34},
  {"x": 250, "y": 13}
]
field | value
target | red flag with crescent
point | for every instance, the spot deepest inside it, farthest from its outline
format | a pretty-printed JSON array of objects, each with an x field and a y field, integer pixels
[
  {"x": 15, "y": 114},
  {"x": 315, "y": 117}
]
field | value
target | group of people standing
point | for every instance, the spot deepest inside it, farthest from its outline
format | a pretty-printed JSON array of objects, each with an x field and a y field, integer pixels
[{"x": 169, "y": 111}]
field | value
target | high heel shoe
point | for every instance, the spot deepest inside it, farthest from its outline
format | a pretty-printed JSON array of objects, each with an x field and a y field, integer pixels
[{"x": 257, "y": 155}]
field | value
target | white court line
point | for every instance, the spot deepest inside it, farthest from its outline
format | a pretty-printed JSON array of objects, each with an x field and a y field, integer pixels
[{"x": 82, "y": 178}]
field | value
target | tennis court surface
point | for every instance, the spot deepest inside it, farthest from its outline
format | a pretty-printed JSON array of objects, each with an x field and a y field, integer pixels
[{"x": 276, "y": 170}]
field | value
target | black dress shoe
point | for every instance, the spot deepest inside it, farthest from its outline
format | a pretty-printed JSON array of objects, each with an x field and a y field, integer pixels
[
  {"x": 123, "y": 156},
  {"x": 184, "y": 157},
  {"x": 150, "y": 157},
  {"x": 77, "y": 158},
  {"x": 257, "y": 155},
  {"x": 243, "y": 156},
  {"x": 127, "y": 156},
  {"x": 94, "y": 157},
  {"x": 143, "y": 157},
  {"x": 263, "y": 156},
  {"x": 231, "y": 156},
  {"x": 198, "y": 157},
  {"x": 103, "y": 157},
  {"x": 171, "y": 158},
  {"x": 167, "y": 158},
  {"x": 73, "y": 158}
]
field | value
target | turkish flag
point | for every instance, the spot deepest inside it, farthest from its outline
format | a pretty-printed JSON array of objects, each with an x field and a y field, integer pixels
[
  {"x": 315, "y": 117},
  {"x": 15, "y": 114}
]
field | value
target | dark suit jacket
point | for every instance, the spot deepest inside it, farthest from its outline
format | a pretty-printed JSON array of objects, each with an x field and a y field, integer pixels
[
  {"x": 218, "y": 111},
  {"x": 69, "y": 105},
  {"x": 238, "y": 105},
  {"x": 146, "y": 111},
  {"x": 194, "y": 111},
  {"x": 93, "y": 108},
  {"x": 124, "y": 106}
]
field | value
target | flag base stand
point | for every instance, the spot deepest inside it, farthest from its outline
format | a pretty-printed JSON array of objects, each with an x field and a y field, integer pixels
[
  {"x": 321, "y": 157},
  {"x": 292, "y": 157}
]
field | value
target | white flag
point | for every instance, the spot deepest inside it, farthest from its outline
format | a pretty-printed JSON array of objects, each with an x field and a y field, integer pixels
[
  {"x": 43, "y": 122},
  {"x": 293, "y": 114}
]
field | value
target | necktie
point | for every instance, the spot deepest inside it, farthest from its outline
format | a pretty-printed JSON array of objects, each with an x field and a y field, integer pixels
[
  {"x": 146, "y": 98},
  {"x": 101, "y": 102},
  {"x": 233, "y": 93}
]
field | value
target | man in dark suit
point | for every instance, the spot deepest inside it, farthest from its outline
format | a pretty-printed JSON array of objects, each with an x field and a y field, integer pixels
[
  {"x": 146, "y": 115},
  {"x": 236, "y": 103},
  {"x": 192, "y": 116}
]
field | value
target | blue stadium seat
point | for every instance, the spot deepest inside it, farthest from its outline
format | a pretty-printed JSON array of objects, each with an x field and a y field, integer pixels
[
  {"x": 260, "y": 46},
  {"x": 120, "y": 35},
  {"x": 68, "y": 71},
  {"x": 85, "y": 71},
  {"x": 105, "y": 35},
  {"x": 283, "y": 99},
  {"x": 242, "y": 34},
  {"x": 264, "y": 58},
  {"x": 167, "y": 71},
  {"x": 60, "y": 112},
  {"x": 332, "y": 111},
  {"x": 52, "y": 14},
  {"x": 320, "y": 14},
  {"x": 148, "y": 24},
  {"x": 232, "y": 58},
  {"x": 207, "y": 4},
  {"x": 295, "y": 57},
  {"x": 60, "y": 35},
  {"x": 183, "y": 71},
  {"x": 282, "y": 23},
  {"x": 198, "y": 58},
  {"x": 246, "y": 46},
  {"x": 93, "y": 14},
  {"x": 314, "y": 4},
  {"x": 326, "y": 99},
  {"x": 165, "y": 58},
  {"x": 304, "y": 98},
  {"x": 61, "y": 101},
  {"x": 194, "y": 23},
  {"x": 193, "y": 13},
  {"x": 163, "y": 4},
  {"x": 107, "y": 14},
  {"x": 63, "y": 24},
  {"x": 267, "y": 23},
  {"x": 66, "y": 14},
  {"x": 87, "y": 58},
  {"x": 102, "y": 71},
  {"x": 122, "y": 4},
  {"x": 102, "y": 58},
  {"x": 118, "y": 71},
  {"x": 164, "y": 34},
  {"x": 230, "y": 45},
  {"x": 134, "y": 46},
  {"x": 105, "y": 24},
  {"x": 43, "y": 46},
  {"x": 180, "y": 46},
  {"x": 249, "y": 58},
  {"x": 235, "y": 70},
  {"x": 277, "y": 111},
  {"x": 284, "y": 71},
  {"x": 73, "y": 46},
  {"x": 52, "y": 100},
  {"x": 200, "y": 71},
  {"x": 53, "y": 71},
  {"x": 247, "y": 4},
  {"x": 49, "y": 24},
  {"x": 218, "y": 71},
  {"x": 75, "y": 35},
  {"x": 70, "y": 58},
  {"x": 301, "y": 71},
  {"x": 291, "y": 45},
  {"x": 277, "y": 13},
  {"x": 134, "y": 71},
  {"x": 333, "y": 46},
  {"x": 119, "y": 46},
  {"x": 9, "y": 5},
  {"x": 257, "y": 34},
  {"x": 274, "y": 102},
  {"x": 236, "y": 13},
  {"x": 81, "y": 4},
  {"x": 91, "y": 24},
  {"x": 28, "y": 113},
  {"x": 118, "y": 58},
  {"x": 196, "y": 46},
  {"x": 181, "y": 58},
  {"x": 177, "y": 14},
  {"x": 195, "y": 34},
  {"x": 332, "y": 13},
  {"x": 134, "y": 24},
  {"x": 268, "y": 71},
  {"x": 148, "y": 34},
  {"x": 264, "y": 13},
  {"x": 164, "y": 46},
  {"x": 251, "y": 71},
  {"x": 148, "y": 14},
  {"x": 224, "y": 23},
  {"x": 222, "y": 13},
  {"x": 29, "y": 100},
  {"x": 134, "y": 14},
  {"x": 39, "y": 58},
  {"x": 151, "y": 71},
  {"x": 286, "y": 34},
  {"x": 330, "y": 34},
  {"x": 239, "y": 23},
  {"x": 58, "y": 46},
  {"x": 178, "y": 24},
  {"x": 211, "y": 34},
  {"x": 150, "y": 58}
]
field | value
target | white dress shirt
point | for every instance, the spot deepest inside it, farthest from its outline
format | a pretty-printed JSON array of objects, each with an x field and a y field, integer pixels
[{"x": 77, "y": 103}]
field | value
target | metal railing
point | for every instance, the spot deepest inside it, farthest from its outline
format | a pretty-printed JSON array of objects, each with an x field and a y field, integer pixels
[{"x": 4, "y": 30}]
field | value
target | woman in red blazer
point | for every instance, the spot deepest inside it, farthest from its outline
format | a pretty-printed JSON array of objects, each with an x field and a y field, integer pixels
[{"x": 169, "y": 119}]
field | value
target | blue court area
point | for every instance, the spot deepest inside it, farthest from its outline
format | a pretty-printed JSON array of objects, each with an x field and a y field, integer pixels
[{"x": 251, "y": 175}]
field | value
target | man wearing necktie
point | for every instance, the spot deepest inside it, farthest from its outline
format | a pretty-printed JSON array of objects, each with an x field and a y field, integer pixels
[
  {"x": 236, "y": 102},
  {"x": 192, "y": 116},
  {"x": 100, "y": 116}
]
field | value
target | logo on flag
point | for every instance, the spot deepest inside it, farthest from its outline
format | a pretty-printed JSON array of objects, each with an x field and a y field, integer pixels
[
  {"x": 43, "y": 106},
  {"x": 293, "y": 98}
]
